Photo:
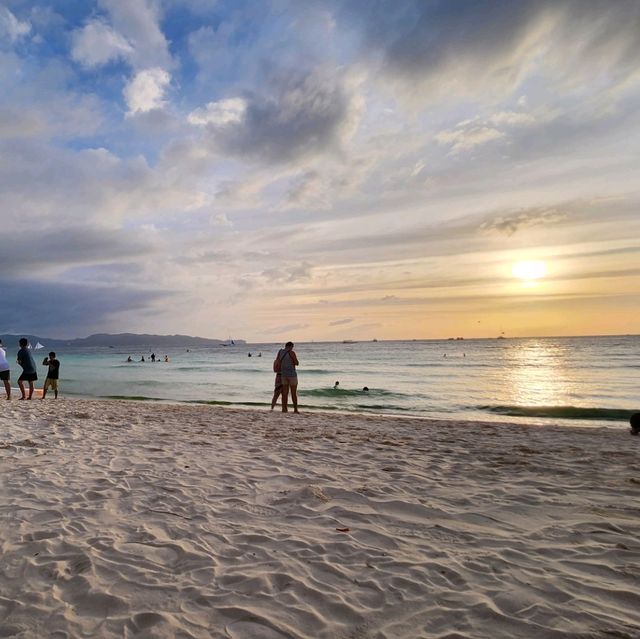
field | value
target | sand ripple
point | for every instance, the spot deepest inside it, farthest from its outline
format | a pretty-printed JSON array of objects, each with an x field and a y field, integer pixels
[{"x": 145, "y": 520}]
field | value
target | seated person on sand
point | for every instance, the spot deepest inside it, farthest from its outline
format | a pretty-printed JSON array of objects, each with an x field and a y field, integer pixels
[{"x": 635, "y": 424}]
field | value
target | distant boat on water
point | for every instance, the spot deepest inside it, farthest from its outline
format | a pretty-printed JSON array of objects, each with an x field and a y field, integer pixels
[
  {"x": 38, "y": 346},
  {"x": 374, "y": 340},
  {"x": 348, "y": 341}
]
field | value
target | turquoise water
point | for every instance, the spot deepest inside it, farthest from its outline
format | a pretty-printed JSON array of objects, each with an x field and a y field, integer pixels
[{"x": 582, "y": 380}]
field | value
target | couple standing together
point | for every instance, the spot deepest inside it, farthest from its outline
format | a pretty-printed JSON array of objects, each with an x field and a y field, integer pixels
[{"x": 284, "y": 366}]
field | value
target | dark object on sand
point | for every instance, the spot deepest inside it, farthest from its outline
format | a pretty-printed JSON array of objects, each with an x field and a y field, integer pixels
[{"x": 635, "y": 424}]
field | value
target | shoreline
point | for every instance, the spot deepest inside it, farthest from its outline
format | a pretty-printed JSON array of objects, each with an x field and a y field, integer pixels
[
  {"x": 496, "y": 418},
  {"x": 133, "y": 518}
]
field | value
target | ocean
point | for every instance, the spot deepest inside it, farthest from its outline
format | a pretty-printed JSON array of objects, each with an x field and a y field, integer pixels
[{"x": 565, "y": 380}]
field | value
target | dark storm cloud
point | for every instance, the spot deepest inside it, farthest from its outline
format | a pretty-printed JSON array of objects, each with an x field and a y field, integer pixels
[
  {"x": 479, "y": 38},
  {"x": 302, "y": 114},
  {"x": 62, "y": 309},
  {"x": 20, "y": 252}
]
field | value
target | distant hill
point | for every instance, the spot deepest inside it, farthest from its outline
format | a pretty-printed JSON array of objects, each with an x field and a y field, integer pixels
[{"x": 120, "y": 340}]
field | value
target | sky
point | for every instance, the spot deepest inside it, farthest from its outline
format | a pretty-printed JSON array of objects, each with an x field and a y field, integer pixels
[{"x": 320, "y": 170}]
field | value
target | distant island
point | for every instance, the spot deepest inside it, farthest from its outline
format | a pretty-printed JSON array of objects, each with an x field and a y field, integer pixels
[{"x": 122, "y": 340}]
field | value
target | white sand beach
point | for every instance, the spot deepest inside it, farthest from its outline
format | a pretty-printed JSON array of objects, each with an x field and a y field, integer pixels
[{"x": 125, "y": 519}]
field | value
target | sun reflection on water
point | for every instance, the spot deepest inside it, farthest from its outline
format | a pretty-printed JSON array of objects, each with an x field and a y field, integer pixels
[{"x": 538, "y": 375}]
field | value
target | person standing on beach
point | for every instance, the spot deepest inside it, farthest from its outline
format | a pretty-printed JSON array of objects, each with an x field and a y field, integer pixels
[
  {"x": 52, "y": 375},
  {"x": 288, "y": 362},
  {"x": 4, "y": 370},
  {"x": 29, "y": 373}
]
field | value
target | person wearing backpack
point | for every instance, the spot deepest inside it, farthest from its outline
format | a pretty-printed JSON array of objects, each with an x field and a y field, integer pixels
[{"x": 285, "y": 364}]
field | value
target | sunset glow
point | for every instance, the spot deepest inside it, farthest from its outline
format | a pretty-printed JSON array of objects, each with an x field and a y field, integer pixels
[
  {"x": 320, "y": 170},
  {"x": 529, "y": 270}
]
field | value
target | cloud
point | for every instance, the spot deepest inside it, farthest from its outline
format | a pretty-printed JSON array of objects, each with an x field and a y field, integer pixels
[
  {"x": 12, "y": 28},
  {"x": 301, "y": 114},
  {"x": 146, "y": 90},
  {"x": 221, "y": 219},
  {"x": 219, "y": 114},
  {"x": 110, "y": 273},
  {"x": 290, "y": 274},
  {"x": 16, "y": 122},
  {"x": 286, "y": 328},
  {"x": 60, "y": 309},
  {"x": 97, "y": 43},
  {"x": 511, "y": 223},
  {"x": 61, "y": 248},
  {"x": 341, "y": 322},
  {"x": 512, "y": 118},
  {"x": 309, "y": 189},
  {"x": 139, "y": 24},
  {"x": 467, "y": 137},
  {"x": 450, "y": 49},
  {"x": 469, "y": 134}
]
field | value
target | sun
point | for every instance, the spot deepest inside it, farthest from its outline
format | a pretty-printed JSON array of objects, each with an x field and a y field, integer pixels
[{"x": 529, "y": 270}]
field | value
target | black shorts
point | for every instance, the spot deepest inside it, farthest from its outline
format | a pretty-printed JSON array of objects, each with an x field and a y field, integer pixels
[
  {"x": 4, "y": 376},
  {"x": 28, "y": 377}
]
